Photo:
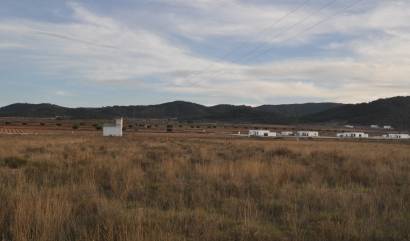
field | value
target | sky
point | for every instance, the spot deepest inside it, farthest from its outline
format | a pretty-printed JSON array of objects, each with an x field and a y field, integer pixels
[{"x": 135, "y": 52}]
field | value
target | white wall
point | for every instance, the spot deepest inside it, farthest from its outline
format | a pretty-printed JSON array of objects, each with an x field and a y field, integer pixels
[
  {"x": 262, "y": 133},
  {"x": 286, "y": 133},
  {"x": 115, "y": 130},
  {"x": 353, "y": 135},
  {"x": 397, "y": 136},
  {"x": 112, "y": 131},
  {"x": 308, "y": 133}
]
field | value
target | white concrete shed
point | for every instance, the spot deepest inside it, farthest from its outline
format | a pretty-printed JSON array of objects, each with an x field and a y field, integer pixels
[
  {"x": 396, "y": 136},
  {"x": 308, "y": 133},
  {"x": 262, "y": 133},
  {"x": 353, "y": 135},
  {"x": 286, "y": 133},
  {"x": 113, "y": 129}
]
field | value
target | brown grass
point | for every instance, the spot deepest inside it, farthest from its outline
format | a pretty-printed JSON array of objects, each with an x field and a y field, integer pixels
[{"x": 177, "y": 188}]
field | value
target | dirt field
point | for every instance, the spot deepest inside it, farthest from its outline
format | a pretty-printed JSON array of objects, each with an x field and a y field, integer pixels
[
  {"x": 132, "y": 126},
  {"x": 201, "y": 187}
]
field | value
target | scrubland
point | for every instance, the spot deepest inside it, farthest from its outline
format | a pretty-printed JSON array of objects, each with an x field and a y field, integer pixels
[{"x": 188, "y": 188}]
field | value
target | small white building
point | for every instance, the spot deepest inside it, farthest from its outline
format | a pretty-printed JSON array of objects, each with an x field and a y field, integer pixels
[
  {"x": 396, "y": 136},
  {"x": 114, "y": 129},
  {"x": 307, "y": 133},
  {"x": 349, "y": 126},
  {"x": 387, "y": 127},
  {"x": 286, "y": 133},
  {"x": 352, "y": 135},
  {"x": 262, "y": 133},
  {"x": 374, "y": 126}
]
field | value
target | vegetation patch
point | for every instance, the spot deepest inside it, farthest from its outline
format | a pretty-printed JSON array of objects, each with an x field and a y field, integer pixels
[
  {"x": 13, "y": 162},
  {"x": 165, "y": 187}
]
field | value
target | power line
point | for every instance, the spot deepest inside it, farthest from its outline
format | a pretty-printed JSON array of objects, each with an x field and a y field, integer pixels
[
  {"x": 69, "y": 38},
  {"x": 263, "y": 31},
  {"x": 302, "y": 21},
  {"x": 303, "y": 31},
  {"x": 293, "y": 26},
  {"x": 315, "y": 25}
]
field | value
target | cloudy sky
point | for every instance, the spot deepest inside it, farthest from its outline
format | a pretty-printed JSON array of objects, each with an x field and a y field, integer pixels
[{"x": 96, "y": 53}]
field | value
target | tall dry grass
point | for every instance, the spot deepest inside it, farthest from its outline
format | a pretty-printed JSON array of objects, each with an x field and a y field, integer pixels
[{"x": 176, "y": 188}]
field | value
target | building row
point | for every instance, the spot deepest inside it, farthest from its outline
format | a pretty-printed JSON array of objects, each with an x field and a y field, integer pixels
[
  {"x": 372, "y": 127},
  {"x": 365, "y": 135},
  {"x": 267, "y": 133},
  {"x": 354, "y": 135},
  {"x": 381, "y": 127}
]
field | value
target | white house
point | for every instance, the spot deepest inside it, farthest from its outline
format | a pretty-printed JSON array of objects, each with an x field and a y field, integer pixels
[
  {"x": 262, "y": 133},
  {"x": 352, "y": 135},
  {"x": 396, "y": 136},
  {"x": 286, "y": 133},
  {"x": 349, "y": 126},
  {"x": 374, "y": 126},
  {"x": 114, "y": 129},
  {"x": 308, "y": 133},
  {"x": 387, "y": 127}
]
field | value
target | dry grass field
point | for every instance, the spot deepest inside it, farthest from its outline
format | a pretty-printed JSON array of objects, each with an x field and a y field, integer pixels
[{"x": 153, "y": 187}]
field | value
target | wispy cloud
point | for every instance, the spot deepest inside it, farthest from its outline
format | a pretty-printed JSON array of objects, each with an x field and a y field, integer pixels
[{"x": 364, "y": 52}]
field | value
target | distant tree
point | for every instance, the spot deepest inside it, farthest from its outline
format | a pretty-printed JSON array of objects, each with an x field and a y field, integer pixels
[{"x": 97, "y": 126}]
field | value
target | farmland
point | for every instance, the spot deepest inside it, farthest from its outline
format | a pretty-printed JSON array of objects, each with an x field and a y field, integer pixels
[
  {"x": 132, "y": 126},
  {"x": 201, "y": 187}
]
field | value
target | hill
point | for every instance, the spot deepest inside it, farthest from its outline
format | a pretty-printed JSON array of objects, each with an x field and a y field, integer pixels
[
  {"x": 178, "y": 109},
  {"x": 298, "y": 110},
  {"x": 33, "y": 110},
  {"x": 391, "y": 111}
]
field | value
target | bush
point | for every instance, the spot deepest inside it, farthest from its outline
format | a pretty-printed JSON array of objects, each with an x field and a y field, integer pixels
[
  {"x": 75, "y": 126},
  {"x": 13, "y": 162}
]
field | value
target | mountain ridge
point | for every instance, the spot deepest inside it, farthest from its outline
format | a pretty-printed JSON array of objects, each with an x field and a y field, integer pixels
[{"x": 393, "y": 111}]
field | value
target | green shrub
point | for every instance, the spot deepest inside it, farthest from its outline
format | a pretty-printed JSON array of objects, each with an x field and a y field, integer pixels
[
  {"x": 13, "y": 162},
  {"x": 97, "y": 126}
]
